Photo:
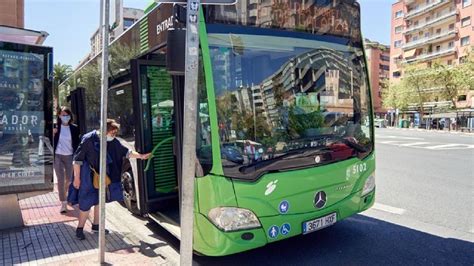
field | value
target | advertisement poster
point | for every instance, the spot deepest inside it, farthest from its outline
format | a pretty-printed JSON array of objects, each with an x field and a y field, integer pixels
[
  {"x": 417, "y": 119},
  {"x": 22, "y": 121}
]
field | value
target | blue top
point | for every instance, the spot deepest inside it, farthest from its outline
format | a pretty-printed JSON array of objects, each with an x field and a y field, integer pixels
[
  {"x": 89, "y": 150},
  {"x": 87, "y": 155}
]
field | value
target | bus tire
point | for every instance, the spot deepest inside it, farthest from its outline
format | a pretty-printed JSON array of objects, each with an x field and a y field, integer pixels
[{"x": 129, "y": 192}]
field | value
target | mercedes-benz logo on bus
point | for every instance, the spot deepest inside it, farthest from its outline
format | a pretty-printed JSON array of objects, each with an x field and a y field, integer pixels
[{"x": 320, "y": 199}]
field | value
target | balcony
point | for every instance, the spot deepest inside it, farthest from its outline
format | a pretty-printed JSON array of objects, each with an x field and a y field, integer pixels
[
  {"x": 437, "y": 37},
  {"x": 253, "y": 13},
  {"x": 256, "y": 101},
  {"x": 383, "y": 75},
  {"x": 432, "y": 55},
  {"x": 425, "y": 8},
  {"x": 433, "y": 21}
]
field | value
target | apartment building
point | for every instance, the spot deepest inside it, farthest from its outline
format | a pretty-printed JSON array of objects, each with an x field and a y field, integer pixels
[
  {"x": 378, "y": 64},
  {"x": 122, "y": 19},
  {"x": 12, "y": 13},
  {"x": 424, "y": 31}
]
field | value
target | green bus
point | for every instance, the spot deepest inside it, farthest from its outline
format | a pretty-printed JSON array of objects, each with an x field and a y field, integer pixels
[{"x": 285, "y": 141}]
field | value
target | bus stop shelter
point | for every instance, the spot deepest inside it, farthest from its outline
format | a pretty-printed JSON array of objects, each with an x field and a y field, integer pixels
[{"x": 22, "y": 55}]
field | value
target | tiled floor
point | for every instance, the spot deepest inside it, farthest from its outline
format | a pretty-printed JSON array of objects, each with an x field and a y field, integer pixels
[
  {"x": 49, "y": 236},
  {"x": 45, "y": 209}
]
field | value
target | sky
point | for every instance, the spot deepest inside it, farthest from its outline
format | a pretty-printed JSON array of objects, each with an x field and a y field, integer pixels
[{"x": 70, "y": 23}]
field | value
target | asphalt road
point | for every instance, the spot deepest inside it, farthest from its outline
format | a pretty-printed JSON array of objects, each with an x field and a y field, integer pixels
[
  {"x": 424, "y": 211},
  {"x": 429, "y": 175}
]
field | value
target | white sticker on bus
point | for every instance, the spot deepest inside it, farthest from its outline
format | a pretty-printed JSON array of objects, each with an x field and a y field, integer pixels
[
  {"x": 271, "y": 187},
  {"x": 356, "y": 170}
]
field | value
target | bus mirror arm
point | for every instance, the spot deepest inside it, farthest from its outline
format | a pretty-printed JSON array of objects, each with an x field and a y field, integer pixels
[{"x": 179, "y": 12}]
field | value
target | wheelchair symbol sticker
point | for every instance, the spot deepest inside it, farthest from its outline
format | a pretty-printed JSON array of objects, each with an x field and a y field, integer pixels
[{"x": 285, "y": 229}]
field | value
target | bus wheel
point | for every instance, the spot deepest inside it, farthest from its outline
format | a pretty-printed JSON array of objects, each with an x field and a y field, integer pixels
[{"x": 129, "y": 193}]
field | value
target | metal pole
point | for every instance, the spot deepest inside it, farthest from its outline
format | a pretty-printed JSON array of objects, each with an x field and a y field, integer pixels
[
  {"x": 254, "y": 116},
  {"x": 352, "y": 84},
  {"x": 189, "y": 136},
  {"x": 105, "y": 6}
]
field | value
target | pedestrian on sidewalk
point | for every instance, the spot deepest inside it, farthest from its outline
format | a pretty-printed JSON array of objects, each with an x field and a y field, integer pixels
[
  {"x": 66, "y": 140},
  {"x": 86, "y": 161},
  {"x": 249, "y": 151}
]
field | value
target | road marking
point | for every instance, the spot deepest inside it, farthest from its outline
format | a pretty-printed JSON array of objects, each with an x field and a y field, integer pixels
[
  {"x": 449, "y": 146},
  {"x": 437, "y": 146},
  {"x": 413, "y": 144},
  {"x": 390, "y": 209},
  {"x": 389, "y": 141},
  {"x": 397, "y": 137}
]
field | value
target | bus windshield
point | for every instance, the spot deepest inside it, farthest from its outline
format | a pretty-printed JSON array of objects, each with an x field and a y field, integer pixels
[{"x": 288, "y": 100}]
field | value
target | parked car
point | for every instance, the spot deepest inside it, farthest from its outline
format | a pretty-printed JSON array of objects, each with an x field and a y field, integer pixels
[{"x": 232, "y": 154}]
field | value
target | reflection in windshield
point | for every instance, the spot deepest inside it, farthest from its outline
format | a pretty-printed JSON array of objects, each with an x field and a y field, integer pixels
[{"x": 296, "y": 94}]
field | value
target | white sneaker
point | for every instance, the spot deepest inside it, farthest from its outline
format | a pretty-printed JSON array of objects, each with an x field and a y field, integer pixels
[{"x": 63, "y": 207}]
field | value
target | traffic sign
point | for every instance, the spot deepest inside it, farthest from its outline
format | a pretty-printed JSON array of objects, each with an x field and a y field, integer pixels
[{"x": 204, "y": 2}]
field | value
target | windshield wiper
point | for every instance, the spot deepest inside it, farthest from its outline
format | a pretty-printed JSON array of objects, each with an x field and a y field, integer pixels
[
  {"x": 356, "y": 146},
  {"x": 301, "y": 152},
  {"x": 303, "y": 157}
]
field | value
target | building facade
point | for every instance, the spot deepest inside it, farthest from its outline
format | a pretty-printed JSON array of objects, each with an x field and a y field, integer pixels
[
  {"x": 12, "y": 13},
  {"x": 121, "y": 20},
  {"x": 427, "y": 31},
  {"x": 378, "y": 64},
  {"x": 424, "y": 31}
]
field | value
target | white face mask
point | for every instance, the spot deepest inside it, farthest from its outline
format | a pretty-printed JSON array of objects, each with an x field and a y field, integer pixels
[
  {"x": 65, "y": 118},
  {"x": 109, "y": 138}
]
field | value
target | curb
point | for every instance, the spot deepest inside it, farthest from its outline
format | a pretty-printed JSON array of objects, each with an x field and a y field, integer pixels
[{"x": 135, "y": 229}]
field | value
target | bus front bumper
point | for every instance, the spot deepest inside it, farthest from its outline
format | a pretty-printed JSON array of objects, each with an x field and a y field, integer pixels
[{"x": 211, "y": 241}]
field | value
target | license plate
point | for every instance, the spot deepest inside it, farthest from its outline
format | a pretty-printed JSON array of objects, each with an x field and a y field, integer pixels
[{"x": 319, "y": 223}]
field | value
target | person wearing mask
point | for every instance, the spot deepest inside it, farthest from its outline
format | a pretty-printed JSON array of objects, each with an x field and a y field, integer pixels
[
  {"x": 66, "y": 141},
  {"x": 86, "y": 161},
  {"x": 249, "y": 151}
]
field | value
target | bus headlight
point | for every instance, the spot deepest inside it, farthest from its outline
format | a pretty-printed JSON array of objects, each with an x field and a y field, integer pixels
[
  {"x": 233, "y": 219},
  {"x": 369, "y": 184}
]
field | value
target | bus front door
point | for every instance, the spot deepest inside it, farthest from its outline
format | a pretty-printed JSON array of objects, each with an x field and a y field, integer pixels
[{"x": 154, "y": 108}]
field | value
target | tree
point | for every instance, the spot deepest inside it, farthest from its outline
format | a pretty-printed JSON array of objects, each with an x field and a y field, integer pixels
[
  {"x": 395, "y": 96},
  {"x": 450, "y": 80},
  {"x": 89, "y": 77},
  {"x": 453, "y": 81},
  {"x": 60, "y": 73},
  {"x": 120, "y": 56},
  {"x": 304, "y": 122},
  {"x": 467, "y": 69},
  {"x": 416, "y": 82}
]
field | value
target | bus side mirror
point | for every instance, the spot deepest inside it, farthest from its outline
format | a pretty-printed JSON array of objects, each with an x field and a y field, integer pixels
[{"x": 175, "y": 51}]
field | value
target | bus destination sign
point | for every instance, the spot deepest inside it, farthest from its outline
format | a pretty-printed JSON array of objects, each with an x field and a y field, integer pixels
[{"x": 204, "y": 2}]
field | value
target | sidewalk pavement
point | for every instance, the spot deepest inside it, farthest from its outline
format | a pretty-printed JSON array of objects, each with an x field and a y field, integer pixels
[{"x": 48, "y": 238}]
